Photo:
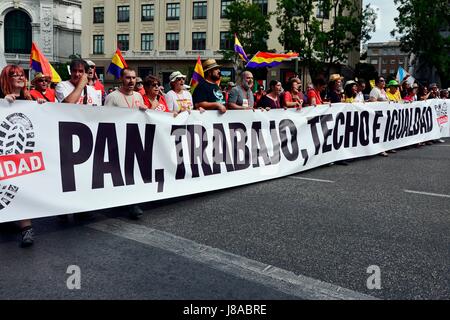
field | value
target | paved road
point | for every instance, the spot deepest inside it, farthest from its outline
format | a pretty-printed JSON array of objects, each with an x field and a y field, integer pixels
[{"x": 308, "y": 236}]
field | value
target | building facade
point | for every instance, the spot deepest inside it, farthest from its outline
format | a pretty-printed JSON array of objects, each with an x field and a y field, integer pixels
[
  {"x": 160, "y": 36},
  {"x": 387, "y": 57},
  {"x": 55, "y": 26}
]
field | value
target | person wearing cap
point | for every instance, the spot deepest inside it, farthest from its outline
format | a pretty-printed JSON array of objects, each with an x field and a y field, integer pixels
[
  {"x": 207, "y": 95},
  {"x": 139, "y": 88},
  {"x": 241, "y": 96},
  {"x": 378, "y": 93},
  {"x": 393, "y": 94},
  {"x": 93, "y": 79},
  {"x": 42, "y": 88},
  {"x": 335, "y": 88},
  {"x": 350, "y": 91},
  {"x": 178, "y": 99}
]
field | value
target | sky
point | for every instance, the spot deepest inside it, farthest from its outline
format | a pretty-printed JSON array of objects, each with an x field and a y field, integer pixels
[{"x": 385, "y": 23}]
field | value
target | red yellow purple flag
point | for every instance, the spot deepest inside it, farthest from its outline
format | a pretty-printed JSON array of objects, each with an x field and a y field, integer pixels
[
  {"x": 197, "y": 76},
  {"x": 39, "y": 63}
]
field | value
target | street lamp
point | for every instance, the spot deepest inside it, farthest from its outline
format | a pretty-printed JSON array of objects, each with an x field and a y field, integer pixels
[{"x": 73, "y": 34}]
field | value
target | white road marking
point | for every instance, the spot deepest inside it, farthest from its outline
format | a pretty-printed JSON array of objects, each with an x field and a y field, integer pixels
[
  {"x": 251, "y": 270},
  {"x": 311, "y": 179},
  {"x": 442, "y": 145},
  {"x": 428, "y": 193}
]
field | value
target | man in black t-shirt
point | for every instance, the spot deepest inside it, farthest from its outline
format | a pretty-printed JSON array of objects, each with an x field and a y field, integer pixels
[{"x": 208, "y": 95}]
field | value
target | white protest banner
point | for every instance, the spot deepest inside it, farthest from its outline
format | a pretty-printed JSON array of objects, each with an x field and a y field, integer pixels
[
  {"x": 441, "y": 107},
  {"x": 62, "y": 158}
]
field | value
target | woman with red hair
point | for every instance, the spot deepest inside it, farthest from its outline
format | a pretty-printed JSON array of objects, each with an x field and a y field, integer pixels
[{"x": 13, "y": 86}]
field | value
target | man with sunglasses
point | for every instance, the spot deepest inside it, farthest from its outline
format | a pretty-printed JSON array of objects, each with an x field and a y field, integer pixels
[
  {"x": 94, "y": 81},
  {"x": 42, "y": 88},
  {"x": 378, "y": 93}
]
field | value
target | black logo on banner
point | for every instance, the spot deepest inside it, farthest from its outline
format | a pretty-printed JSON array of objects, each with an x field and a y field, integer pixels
[{"x": 17, "y": 157}]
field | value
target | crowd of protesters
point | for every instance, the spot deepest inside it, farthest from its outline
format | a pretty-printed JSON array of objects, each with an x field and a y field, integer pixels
[{"x": 85, "y": 88}]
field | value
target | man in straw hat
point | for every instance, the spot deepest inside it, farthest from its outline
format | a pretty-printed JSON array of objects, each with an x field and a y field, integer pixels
[
  {"x": 207, "y": 95},
  {"x": 42, "y": 89}
]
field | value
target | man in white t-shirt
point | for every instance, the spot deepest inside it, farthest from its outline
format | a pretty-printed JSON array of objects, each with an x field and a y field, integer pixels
[
  {"x": 76, "y": 90},
  {"x": 125, "y": 96},
  {"x": 178, "y": 99},
  {"x": 378, "y": 93}
]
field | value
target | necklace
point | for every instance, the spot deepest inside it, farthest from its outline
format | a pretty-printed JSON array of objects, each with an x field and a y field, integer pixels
[{"x": 126, "y": 100}]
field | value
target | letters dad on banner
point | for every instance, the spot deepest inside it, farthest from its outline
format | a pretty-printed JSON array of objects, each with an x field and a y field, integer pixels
[{"x": 60, "y": 158}]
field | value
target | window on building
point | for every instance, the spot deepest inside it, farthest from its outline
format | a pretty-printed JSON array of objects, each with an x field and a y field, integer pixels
[
  {"x": 374, "y": 62},
  {"x": 99, "y": 15},
  {"x": 145, "y": 71},
  {"x": 393, "y": 61},
  {"x": 320, "y": 12},
  {"x": 263, "y": 4},
  {"x": 123, "y": 13},
  {"x": 384, "y": 61},
  {"x": 226, "y": 42},
  {"x": 147, "y": 41},
  {"x": 384, "y": 71},
  {"x": 98, "y": 44},
  {"x": 173, "y": 11},
  {"x": 172, "y": 41},
  {"x": 17, "y": 32},
  {"x": 199, "y": 10},
  {"x": 198, "y": 40},
  {"x": 123, "y": 42},
  {"x": 148, "y": 12},
  {"x": 223, "y": 7}
]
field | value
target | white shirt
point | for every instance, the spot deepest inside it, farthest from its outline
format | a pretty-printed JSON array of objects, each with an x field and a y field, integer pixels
[
  {"x": 176, "y": 101},
  {"x": 378, "y": 94},
  {"x": 359, "y": 97},
  {"x": 65, "y": 88},
  {"x": 118, "y": 99}
]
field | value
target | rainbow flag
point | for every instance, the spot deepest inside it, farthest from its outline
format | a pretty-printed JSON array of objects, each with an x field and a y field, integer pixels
[
  {"x": 267, "y": 59},
  {"x": 117, "y": 64},
  {"x": 239, "y": 49},
  {"x": 197, "y": 76},
  {"x": 39, "y": 63}
]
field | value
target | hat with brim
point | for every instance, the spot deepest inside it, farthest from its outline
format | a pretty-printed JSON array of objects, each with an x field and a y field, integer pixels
[
  {"x": 350, "y": 83},
  {"x": 336, "y": 76},
  {"x": 90, "y": 62},
  {"x": 38, "y": 76},
  {"x": 176, "y": 74},
  {"x": 210, "y": 64},
  {"x": 392, "y": 83}
]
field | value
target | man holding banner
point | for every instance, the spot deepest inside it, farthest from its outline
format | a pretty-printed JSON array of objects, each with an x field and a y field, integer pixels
[
  {"x": 208, "y": 95},
  {"x": 76, "y": 90}
]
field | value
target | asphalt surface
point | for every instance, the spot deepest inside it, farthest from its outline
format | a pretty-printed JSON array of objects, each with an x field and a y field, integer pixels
[{"x": 329, "y": 231}]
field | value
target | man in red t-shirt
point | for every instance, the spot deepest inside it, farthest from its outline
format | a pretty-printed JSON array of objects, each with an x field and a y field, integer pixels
[
  {"x": 42, "y": 88},
  {"x": 314, "y": 97}
]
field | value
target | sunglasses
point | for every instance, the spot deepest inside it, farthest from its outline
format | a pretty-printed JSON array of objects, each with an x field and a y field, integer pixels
[
  {"x": 138, "y": 83},
  {"x": 42, "y": 80}
]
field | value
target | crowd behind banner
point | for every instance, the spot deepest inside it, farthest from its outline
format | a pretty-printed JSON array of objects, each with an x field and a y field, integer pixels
[{"x": 84, "y": 88}]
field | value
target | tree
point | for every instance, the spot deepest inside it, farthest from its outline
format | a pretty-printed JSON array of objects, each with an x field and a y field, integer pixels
[
  {"x": 299, "y": 29},
  {"x": 422, "y": 28},
  {"x": 350, "y": 26},
  {"x": 308, "y": 34},
  {"x": 250, "y": 25}
]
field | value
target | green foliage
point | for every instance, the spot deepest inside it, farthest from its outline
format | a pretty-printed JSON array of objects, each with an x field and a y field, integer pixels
[
  {"x": 250, "y": 25},
  {"x": 420, "y": 28},
  {"x": 302, "y": 31}
]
